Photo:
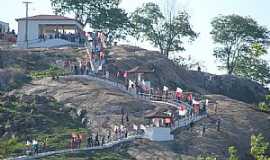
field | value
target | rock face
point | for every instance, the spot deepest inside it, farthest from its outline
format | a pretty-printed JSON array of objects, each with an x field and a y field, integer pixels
[
  {"x": 238, "y": 88},
  {"x": 10, "y": 78},
  {"x": 231, "y": 86},
  {"x": 167, "y": 73}
]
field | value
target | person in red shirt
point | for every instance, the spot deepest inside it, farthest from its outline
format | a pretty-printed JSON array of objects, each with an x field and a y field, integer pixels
[{"x": 189, "y": 98}]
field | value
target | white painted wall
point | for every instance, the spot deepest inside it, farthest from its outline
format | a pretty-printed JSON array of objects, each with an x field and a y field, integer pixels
[
  {"x": 158, "y": 134},
  {"x": 4, "y": 27},
  {"x": 33, "y": 30}
]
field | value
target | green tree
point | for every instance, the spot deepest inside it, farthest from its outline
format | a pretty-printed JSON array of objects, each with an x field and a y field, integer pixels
[
  {"x": 252, "y": 66},
  {"x": 100, "y": 14},
  {"x": 259, "y": 147},
  {"x": 233, "y": 153},
  {"x": 168, "y": 35},
  {"x": 235, "y": 35}
]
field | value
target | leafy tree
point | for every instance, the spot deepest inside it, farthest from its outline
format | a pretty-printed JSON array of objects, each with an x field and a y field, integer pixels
[
  {"x": 100, "y": 14},
  {"x": 259, "y": 147},
  {"x": 168, "y": 35},
  {"x": 252, "y": 66},
  {"x": 233, "y": 153},
  {"x": 235, "y": 36}
]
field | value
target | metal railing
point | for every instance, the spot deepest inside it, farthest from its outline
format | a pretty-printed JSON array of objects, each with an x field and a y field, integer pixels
[
  {"x": 65, "y": 151},
  {"x": 187, "y": 121}
]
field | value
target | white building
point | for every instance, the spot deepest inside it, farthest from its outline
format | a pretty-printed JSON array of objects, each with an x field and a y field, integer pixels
[
  {"x": 45, "y": 31},
  {"x": 4, "y": 27}
]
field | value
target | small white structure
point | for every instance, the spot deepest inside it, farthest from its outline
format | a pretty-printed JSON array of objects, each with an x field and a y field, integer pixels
[
  {"x": 158, "y": 134},
  {"x": 48, "y": 31},
  {"x": 160, "y": 127},
  {"x": 4, "y": 27}
]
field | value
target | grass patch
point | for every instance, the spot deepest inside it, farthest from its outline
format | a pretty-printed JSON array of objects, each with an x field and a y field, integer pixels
[
  {"x": 21, "y": 120},
  {"x": 51, "y": 72}
]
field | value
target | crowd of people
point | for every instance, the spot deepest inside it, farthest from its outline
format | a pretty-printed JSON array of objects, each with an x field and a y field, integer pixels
[
  {"x": 99, "y": 140},
  {"x": 98, "y": 41},
  {"x": 33, "y": 146},
  {"x": 71, "y": 37}
]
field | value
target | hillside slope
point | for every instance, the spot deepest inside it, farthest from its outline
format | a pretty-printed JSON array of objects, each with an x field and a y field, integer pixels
[
  {"x": 238, "y": 123},
  {"x": 103, "y": 105},
  {"x": 76, "y": 99},
  {"x": 127, "y": 57},
  {"x": 99, "y": 103},
  {"x": 167, "y": 73}
]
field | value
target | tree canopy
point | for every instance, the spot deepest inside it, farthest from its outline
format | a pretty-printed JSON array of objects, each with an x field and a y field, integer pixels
[
  {"x": 100, "y": 14},
  {"x": 235, "y": 36},
  {"x": 149, "y": 23},
  {"x": 251, "y": 65}
]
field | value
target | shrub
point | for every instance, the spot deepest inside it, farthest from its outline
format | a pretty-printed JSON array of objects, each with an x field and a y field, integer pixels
[
  {"x": 233, "y": 153},
  {"x": 51, "y": 72},
  {"x": 10, "y": 146},
  {"x": 263, "y": 107},
  {"x": 259, "y": 147}
]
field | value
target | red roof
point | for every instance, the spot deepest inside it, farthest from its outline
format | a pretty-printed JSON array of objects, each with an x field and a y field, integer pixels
[{"x": 46, "y": 17}]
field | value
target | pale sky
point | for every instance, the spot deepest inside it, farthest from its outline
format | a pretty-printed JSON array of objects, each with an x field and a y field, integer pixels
[{"x": 201, "y": 11}]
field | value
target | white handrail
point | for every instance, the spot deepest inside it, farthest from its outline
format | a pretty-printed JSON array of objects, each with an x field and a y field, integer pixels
[{"x": 105, "y": 146}]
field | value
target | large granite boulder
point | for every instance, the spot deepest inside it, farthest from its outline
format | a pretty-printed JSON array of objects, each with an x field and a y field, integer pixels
[{"x": 11, "y": 78}]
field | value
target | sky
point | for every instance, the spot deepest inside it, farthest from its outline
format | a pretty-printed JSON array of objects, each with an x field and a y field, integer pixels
[{"x": 201, "y": 11}]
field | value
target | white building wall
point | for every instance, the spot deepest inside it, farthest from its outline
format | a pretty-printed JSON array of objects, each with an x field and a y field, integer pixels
[
  {"x": 33, "y": 30},
  {"x": 4, "y": 27},
  {"x": 33, "y": 33},
  {"x": 158, "y": 134},
  {"x": 21, "y": 34}
]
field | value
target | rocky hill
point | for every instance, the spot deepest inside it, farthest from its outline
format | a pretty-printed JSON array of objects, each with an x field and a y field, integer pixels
[
  {"x": 127, "y": 57},
  {"x": 169, "y": 74},
  {"x": 238, "y": 123},
  {"x": 57, "y": 108}
]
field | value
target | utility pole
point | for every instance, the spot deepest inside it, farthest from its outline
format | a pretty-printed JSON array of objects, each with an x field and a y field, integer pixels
[{"x": 26, "y": 22}]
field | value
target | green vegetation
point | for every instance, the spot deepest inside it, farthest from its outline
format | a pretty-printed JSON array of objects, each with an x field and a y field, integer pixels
[
  {"x": 258, "y": 150},
  {"x": 265, "y": 106},
  {"x": 36, "y": 117},
  {"x": 167, "y": 34},
  {"x": 252, "y": 66},
  {"x": 10, "y": 146},
  {"x": 100, "y": 14},
  {"x": 233, "y": 153},
  {"x": 51, "y": 72},
  {"x": 241, "y": 42},
  {"x": 259, "y": 147}
]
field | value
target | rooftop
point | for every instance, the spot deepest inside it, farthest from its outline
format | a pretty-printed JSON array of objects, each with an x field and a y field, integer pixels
[{"x": 46, "y": 17}]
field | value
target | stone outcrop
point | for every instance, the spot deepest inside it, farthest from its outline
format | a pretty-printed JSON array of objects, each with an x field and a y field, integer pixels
[{"x": 168, "y": 73}]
